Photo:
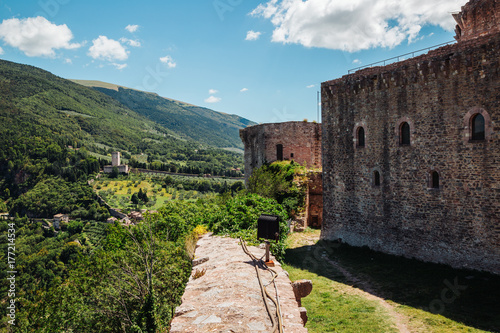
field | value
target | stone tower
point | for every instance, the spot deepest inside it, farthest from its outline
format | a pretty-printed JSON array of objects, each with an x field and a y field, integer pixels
[
  {"x": 477, "y": 18},
  {"x": 115, "y": 159},
  {"x": 299, "y": 141}
]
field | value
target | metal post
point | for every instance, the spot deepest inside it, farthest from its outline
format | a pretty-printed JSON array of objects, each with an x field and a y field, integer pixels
[{"x": 268, "y": 246}]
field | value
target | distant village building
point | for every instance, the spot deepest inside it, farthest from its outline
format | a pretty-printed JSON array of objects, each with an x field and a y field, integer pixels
[
  {"x": 111, "y": 220},
  {"x": 116, "y": 162},
  {"x": 58, "y": 219},
  {"x": 411, "y": 150},
  {"x": 136, "y": 216}
]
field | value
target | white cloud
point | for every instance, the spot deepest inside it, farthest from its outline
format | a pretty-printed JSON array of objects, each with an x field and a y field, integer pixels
[
  {"x": 244, "y": 90},
  {"x": 253, "y": 35},
  {"x": 68, "y": 61},
  {"x": 354, "y": 25},
  {"x": 119, "y": 66},
  {"x": 104, "y": 48},
  {"x": 212, "y": 91},
  {"x": 132, "y": 28},
  {"x": 134, "y": 43},
  {"x": 1, "y": 51},
  {"x": 356, "y": 61},
  {"x": 131, "y": 42},
  {"x": 36, "y": 36},
  {"x": 213, "y": 99},
  {"x": 169, "y": 61},
  {"x": 311, "y": 86}
]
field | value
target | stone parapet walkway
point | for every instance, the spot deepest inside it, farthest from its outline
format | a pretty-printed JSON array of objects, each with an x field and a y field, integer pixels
[{"x": 227, "y": 298}]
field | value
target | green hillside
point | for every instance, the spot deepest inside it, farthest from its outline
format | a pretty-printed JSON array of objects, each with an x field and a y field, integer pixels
[
  {"x": 34, "y": 97},
  {"x": 52, "y": 127},
  {"x": 185, "y": 120}
]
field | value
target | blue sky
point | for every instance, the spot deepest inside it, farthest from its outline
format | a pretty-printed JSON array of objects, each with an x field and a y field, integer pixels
[{"x": 263, "y": 61}]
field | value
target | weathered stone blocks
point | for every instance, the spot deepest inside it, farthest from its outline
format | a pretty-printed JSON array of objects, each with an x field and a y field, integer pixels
[
  {"x": 438, "y": 95},
  {"x": 300, "y": 141}
]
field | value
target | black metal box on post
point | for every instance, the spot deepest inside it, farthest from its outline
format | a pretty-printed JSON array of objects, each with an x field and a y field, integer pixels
[{"x": 268, "y": 228}]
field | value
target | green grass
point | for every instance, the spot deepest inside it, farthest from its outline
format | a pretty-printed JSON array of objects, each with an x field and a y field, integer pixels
[
  {"x": 121, "y": 198},
  {"x": 141, "y": 158},
  {"x": 116, "y": 192},
  {"x": 430, "y": 297},
  {"x": 73, "y": 113},
  {"x": 330, "y": 307}
]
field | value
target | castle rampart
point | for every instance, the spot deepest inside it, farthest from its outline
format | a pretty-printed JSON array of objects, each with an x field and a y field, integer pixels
[
  {"x": 411, "y": 154},
  {"x": 299, "y": 141}
]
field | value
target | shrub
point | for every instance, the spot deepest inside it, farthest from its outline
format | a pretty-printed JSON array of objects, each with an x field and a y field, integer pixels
[
  {"x": 280, "y": 181},
  {"x": 238, "y": 218}
]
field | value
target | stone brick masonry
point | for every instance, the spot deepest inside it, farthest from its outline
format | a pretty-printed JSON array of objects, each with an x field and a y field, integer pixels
[
  {"x": 477, "y": 18},
  {"x": 382, "y": 195},
  {"x": 300, "y": 141},
  {"x": 228, "y": 298}
]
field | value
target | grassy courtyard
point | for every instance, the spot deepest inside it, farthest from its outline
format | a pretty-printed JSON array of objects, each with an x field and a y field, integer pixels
[{"x": 359, "y": 290}]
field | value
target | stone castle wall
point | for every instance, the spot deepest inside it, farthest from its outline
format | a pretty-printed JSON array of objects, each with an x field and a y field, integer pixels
[
  {"x": 438, "y": 95},
  {"x": 301, "y": 142},
  {"x": 314, "y": 200},
  {"x": 477, "y": 18}
]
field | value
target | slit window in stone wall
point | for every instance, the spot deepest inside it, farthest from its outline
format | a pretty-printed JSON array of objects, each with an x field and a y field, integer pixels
[
  {"x": 361, "y": 137},
  {"x": 477, "y": 126},
  {"x": 434, "y": 180},
  {"x": 376, "y": 178},
  {"x": 405, "y": 134},
  {"x": 279, "y": 152}
]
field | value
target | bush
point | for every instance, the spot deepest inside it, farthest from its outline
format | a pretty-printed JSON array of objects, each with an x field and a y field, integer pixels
[
  {"x": 238, "y": 218},
  {"x": 280, "y": 181},
  {"x": 75, "y": 227}
]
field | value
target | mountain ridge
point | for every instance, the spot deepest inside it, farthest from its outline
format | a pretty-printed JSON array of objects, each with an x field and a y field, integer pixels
[
  {"x": 38, "y": 107},
  {"x": 186, "y": 120}
]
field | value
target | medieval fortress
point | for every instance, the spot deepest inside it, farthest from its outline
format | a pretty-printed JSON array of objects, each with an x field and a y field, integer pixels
[{"x": 410, "y": 151}]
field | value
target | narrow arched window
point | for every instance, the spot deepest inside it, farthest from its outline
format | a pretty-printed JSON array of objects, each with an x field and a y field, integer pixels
[
  {"x": 361, "y": 137},
  {"x": 279, "y": 152},
  {"x": 435, "y": 180},
  {"x": 405, "y": 134},
  {"x": 376, "y": 178},
  {"x": 478, "y": 127}
]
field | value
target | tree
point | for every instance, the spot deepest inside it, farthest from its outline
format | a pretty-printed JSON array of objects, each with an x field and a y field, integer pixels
[
  {"x": 135, "y": 199},
  {"x": 279, "y": 180},
  {"x": 114, "y": 173},
  {"x": 169, "y": 181},
  {"x": 143, "y": 196}
]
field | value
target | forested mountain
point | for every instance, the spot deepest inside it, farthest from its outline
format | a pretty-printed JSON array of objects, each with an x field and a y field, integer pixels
[
  {"x": 52, "y": 127},
  {"x": 185, "y": 120}
]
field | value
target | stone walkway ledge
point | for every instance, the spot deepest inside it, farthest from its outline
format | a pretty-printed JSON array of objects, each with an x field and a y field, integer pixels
[{"x": 227, "y": 298}]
